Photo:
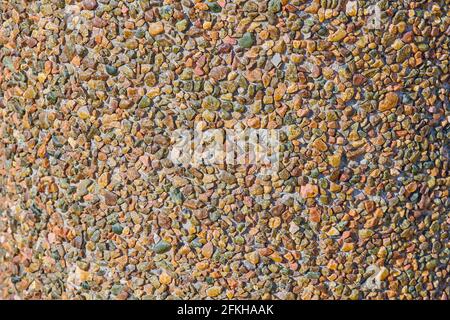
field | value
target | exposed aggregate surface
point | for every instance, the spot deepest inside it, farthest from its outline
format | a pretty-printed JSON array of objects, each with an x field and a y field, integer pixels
[{"x": 92, "y": 208}]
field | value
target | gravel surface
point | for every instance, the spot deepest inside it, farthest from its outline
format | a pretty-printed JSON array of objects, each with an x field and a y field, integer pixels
[{"x": 93, "y": 205}]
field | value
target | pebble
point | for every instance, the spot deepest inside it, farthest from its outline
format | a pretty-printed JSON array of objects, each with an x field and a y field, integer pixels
[
  {"x": 309, "y": 191},
  {"x": 335, "y": 160},
  {"x": 165, "y": 278},
  {"x": 276, "y": 60},
  {"x": 111, "y": 70},
  {"x": 182, "y": 25},
  {"x": 156, "y": 28},
  {"x": 90, "y": 4},
  {"x": 117, "y": 228},
  {"x": 320, "y": 145},
  {"x": 208, "y": 250},
  {"x": 213, "y": 291},
  {"x": 247, "y": 40},
  {"x": 274, "y": 6},
  {"x": 162, "y": 247},
  {"x": 389, "y": 102},
  {"x": 338, "y": 35},
  {"x": 253, "y": 257},
  {"x": 30, "y": 93},
  {"x": 83, "y": 112}
]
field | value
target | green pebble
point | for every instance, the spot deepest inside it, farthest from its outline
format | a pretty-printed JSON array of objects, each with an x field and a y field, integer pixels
[
  {"x": 144, "y": 102},
  {"x": 247, "y": 40},
  {"x": 162, "y": 247},
  {"x": 166, "y": 12},
  {"x": 181, "y": 25},
  {"x": 52, "y": 97},
  {"x": 274, "y": 6},
  {"x": 214, "y": 7},
  {"x": 117, "y": 228},
  {"x": 239, "y": 240}
]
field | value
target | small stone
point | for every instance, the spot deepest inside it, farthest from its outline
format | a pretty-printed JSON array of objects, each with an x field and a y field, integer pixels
[
  {"x": 162, "y": 247},
  {"x": 182, "y": 25},
  {"x": 320, "y": 145},
  {"x": 279, "y": 47},
  {"x": 312, "y": 275},
  {"x": 30, "y": 93},
  {"x": 293, "y": 228},
  {"x": 90, "y": 4},
  {"x": 116, "y": 289},
  {"x": 333, "y": 232},
  {"x": 411, "y": 187},
  {"x": 365, "y": 233},
  {"x": 408, "y": 37},
  {"x": 398, "y": 44},
  {"x": 208, "y": 250},
  {"x": 165, "y": 278},
  {"x": 274, "y": 6},
  {"x": 218, "y": 73},
  {"x": 254, "y": 122},
  {"x": 358, "y": 79},
  {"x": 252, "y": 257},
  {"x": 403, "y": 54},
  {"x": 117, "y": 228},
  {"x": 110, "y": 198},
  {"x": 351, "y": 8},
  {"x": 82, "y": 188},
  {"x": 337, "y": 36},
  {"x": 256, "y": 190},
  {"x": 431, "y": 182},
  {"x": 213, "y": 291},
  {"x": 314, "y": 215},
  {"x": 347, "y": 246},
  {"x": 153, "y": 92},
  {"x": 176, "y": 196},
  {"x": 279, "y": 92},
  {"x": 209, "y": 116},
  {"x": 254, "y": 75},
  {"x": 145, "y": 102},
  {"x": 179, "y": 182},
  {"x": 83, "y": 112},
  {"x": 211, "y": 103},
  {"x": 82, "y": 275},
  {"x": 276, "y": 59},
  {"x": 382, "y": 274},
  {"x": 313, "y": 7},
  {"x": 335, "y": 160},
  {"x": 228, "y": 178},
  {"x": 111, "y": 70},
  {"x": 390, "y": 101},
  {"x": 247, "y": 40},
  {"x": 274, "y": 222},
  {"x": 309, "y": 191},
  {"x": 125, "y": 104},
  {"x": 166, "y": 12},
  {"x": 214, "y": 7},
  {"x": 156, "y": 28},
  {"x": 42, "y": 77}
]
